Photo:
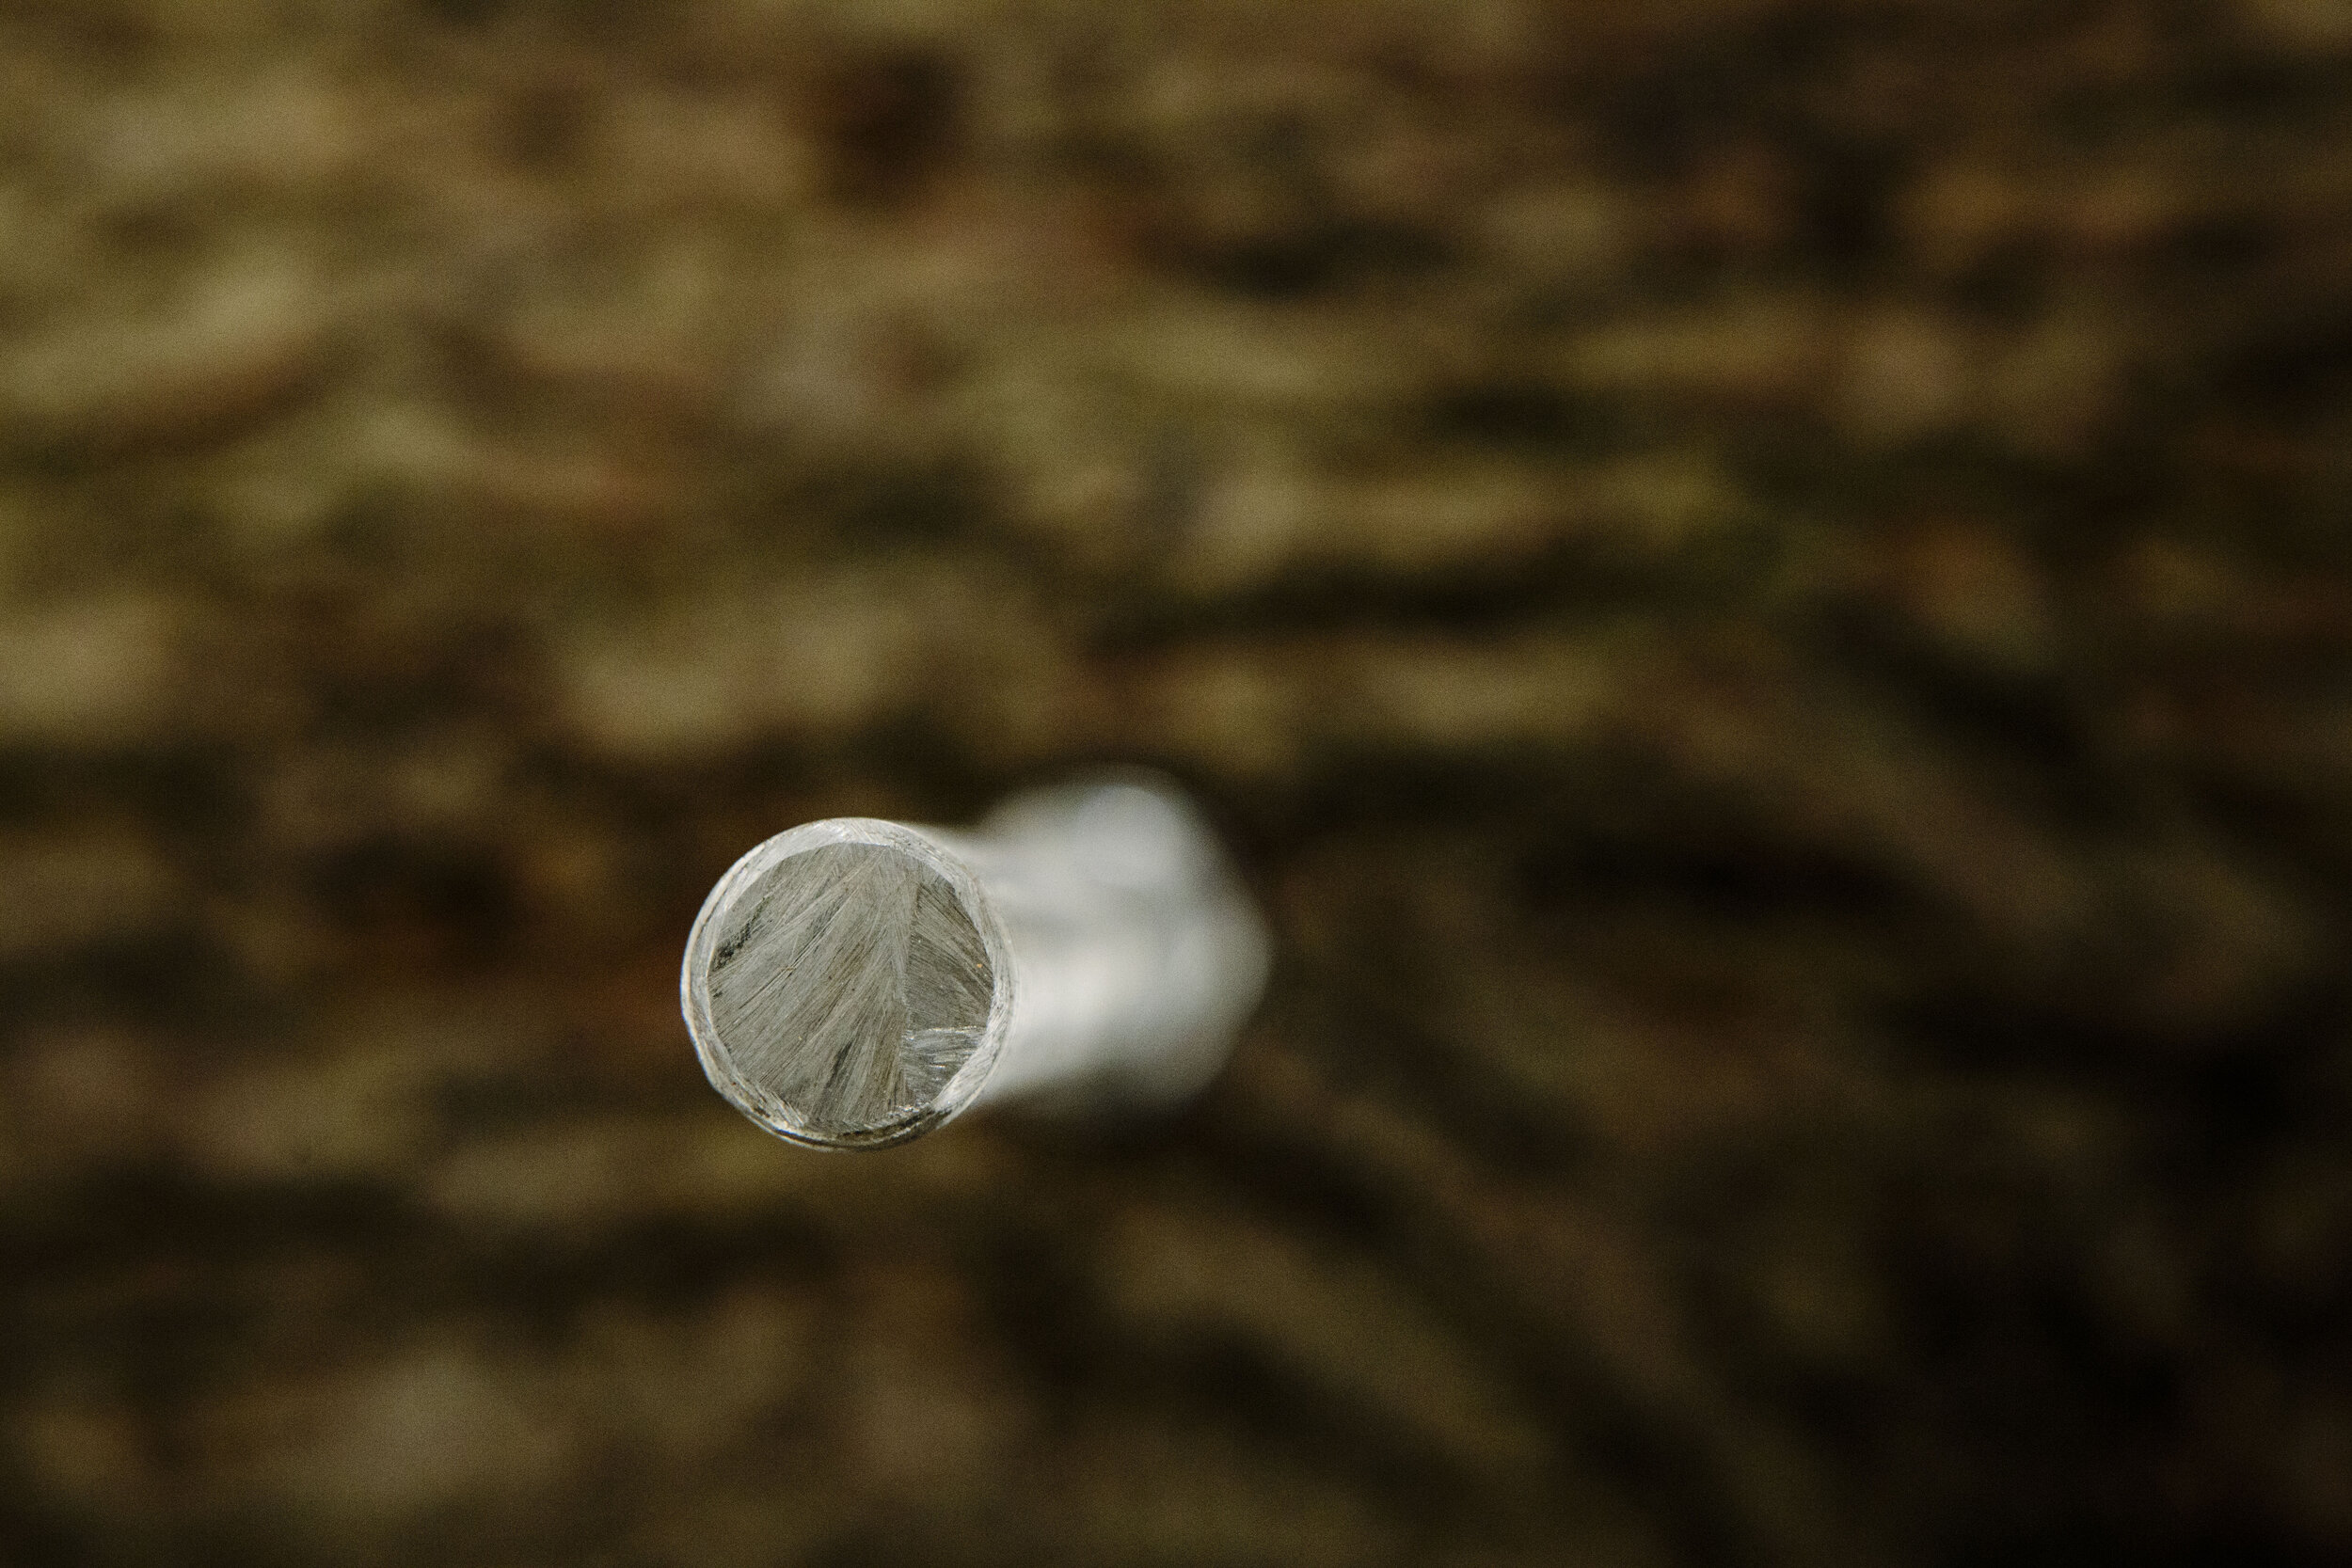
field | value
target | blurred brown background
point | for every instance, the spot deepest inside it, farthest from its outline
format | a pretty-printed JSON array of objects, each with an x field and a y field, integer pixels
[{"x": 1762, "y": 587}]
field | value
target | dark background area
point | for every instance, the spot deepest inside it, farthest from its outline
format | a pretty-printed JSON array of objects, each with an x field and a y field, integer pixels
[{"x": 1762, "y": 588}]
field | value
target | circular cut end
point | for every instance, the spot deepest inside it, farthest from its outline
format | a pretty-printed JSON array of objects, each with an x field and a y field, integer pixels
[{"x": 847, "y": 985}]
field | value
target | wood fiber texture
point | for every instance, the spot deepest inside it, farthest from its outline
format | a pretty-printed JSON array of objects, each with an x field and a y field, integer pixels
[
  {"x": 847, "y": 986},
  {"x": 1763, "y": 589}
]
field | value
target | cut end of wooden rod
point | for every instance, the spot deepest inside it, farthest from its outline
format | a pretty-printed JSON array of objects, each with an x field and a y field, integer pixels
[{"x": 854, "y": 983}]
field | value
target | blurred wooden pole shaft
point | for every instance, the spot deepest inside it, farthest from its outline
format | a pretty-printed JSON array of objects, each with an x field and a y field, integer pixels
[{"x": 854, "y": 983}]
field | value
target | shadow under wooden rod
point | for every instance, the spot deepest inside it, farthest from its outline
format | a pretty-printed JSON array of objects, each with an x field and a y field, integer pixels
[{"x": 855, "y": 983}]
